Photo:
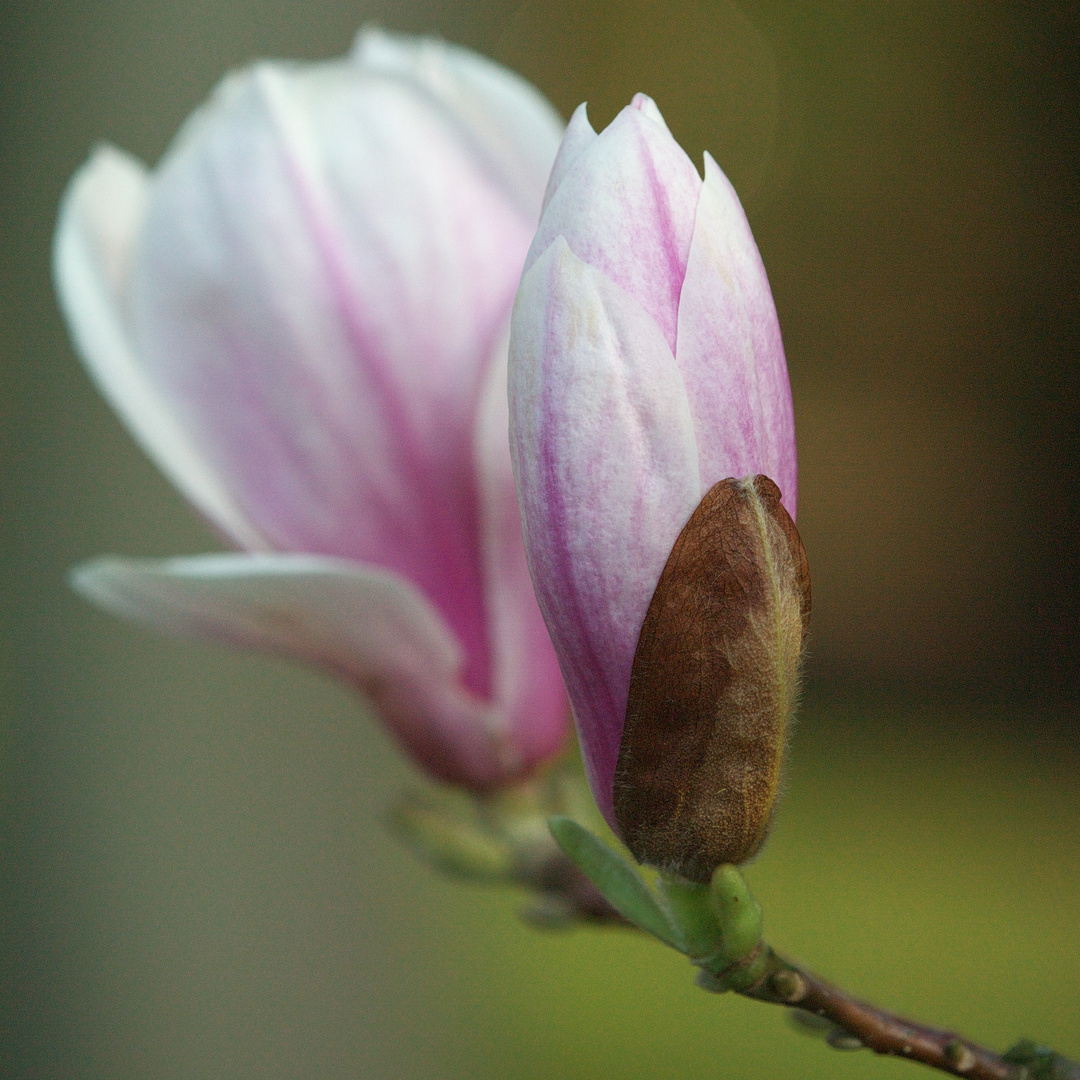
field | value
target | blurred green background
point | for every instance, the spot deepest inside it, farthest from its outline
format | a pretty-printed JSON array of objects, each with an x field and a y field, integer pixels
[{"x": 196, "y": 879}]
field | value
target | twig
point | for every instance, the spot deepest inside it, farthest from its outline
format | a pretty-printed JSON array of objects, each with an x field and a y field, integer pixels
[
  {"x": 858, "y": 1024},
  {"x": 785, "y": 983}
]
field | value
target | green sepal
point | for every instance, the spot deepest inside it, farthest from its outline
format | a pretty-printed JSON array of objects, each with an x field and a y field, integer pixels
[
  {"x": 616, "y": 878},
  {"x": 737, "y": 912},
  {"x": 690, "y": 912},
  {"x": 741, "y": 977},
  {"x": 1041, "y": 1062},
  {"x": 451, "y": 843}
]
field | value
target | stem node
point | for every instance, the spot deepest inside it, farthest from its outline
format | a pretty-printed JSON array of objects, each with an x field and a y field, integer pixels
[
  {"x": 959, "y": 1056},
  {"x": 789, "y": 986}
]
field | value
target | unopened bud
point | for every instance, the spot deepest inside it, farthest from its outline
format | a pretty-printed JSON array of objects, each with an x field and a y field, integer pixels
[{"x": 713, "y": 685}]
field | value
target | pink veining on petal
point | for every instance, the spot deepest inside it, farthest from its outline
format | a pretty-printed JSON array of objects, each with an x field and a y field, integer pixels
[
  {"x": 578, "y": 138},
  {"x": 646, "y": 365},
  {"x": 627, "y": 207},
  {"x": 450, "y": 592},
  {"x": 507, "y": 123},
  {"x": 313, "y": 346},
  {"x": 292, "y": 352},
  {"x": 533, "y": 709},
  {"x": 730, "y": 352},
  {"x": 645, "y": 104},
  {"x": 606, "y": 464}
]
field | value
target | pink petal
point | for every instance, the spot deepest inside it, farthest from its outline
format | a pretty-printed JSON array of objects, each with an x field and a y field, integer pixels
[
  {"x": 100, "y": 217},
  {"x": 730, "y": 353},
  {"x": 626, "y": 206},
  {"x": 361, "y": 622},
  {"x": 323, "y": 271},
  {"x": 606, "y": 463},
  {"x": 506, "y": 120},
  {"x": 645, "y": 105},
  {"x": 578, "y": 138},
  {"x": 528, "y": 689}
]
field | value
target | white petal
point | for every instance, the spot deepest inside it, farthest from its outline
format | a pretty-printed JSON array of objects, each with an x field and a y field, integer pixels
[
  {"x": 579, "y": 136},
  {"x": 101, "y": 216},
  {"x": 323, "y": 273},
  {"x": 729, "y": 349},
  {"x": 645, "y": 104},
  {"x": 626, "y": 206},
  {"x": 510, "y": 124},
  {"x": 527, "y": 683},
  {"x": 606, "y": 463},
  {"x": 361, "y": 622}
]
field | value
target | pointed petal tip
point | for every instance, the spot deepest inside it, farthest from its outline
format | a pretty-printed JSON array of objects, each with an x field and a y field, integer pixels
[
  {"x": 576, "y": 139},
  {"x": 580, "y": 116},
  {"x": 644, "y": 104},
  {"x": 717, "y": 179}
]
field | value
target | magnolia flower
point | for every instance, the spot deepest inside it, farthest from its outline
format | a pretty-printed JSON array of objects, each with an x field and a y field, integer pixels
[
  {"x": 646, "y": 366},
  {"x": 301, "y": 315}
]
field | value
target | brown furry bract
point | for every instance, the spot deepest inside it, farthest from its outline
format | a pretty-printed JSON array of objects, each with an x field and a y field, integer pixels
[{"x": 714, "y": 684}]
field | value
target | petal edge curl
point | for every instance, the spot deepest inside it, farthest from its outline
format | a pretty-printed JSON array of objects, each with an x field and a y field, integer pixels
[
  {"x": 366, "y": 624},
  {"x": 100, "y": 218}
]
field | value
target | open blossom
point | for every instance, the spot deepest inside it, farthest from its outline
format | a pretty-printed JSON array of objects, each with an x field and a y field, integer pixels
[
  {"x": 301, "y": 314},
  {"x": 646, "y": 366}
]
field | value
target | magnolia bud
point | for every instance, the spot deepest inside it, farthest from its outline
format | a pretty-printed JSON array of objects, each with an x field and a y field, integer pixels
[
  {"x": 645, "y": 367},
  {"x": 713, "y": 684}
]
